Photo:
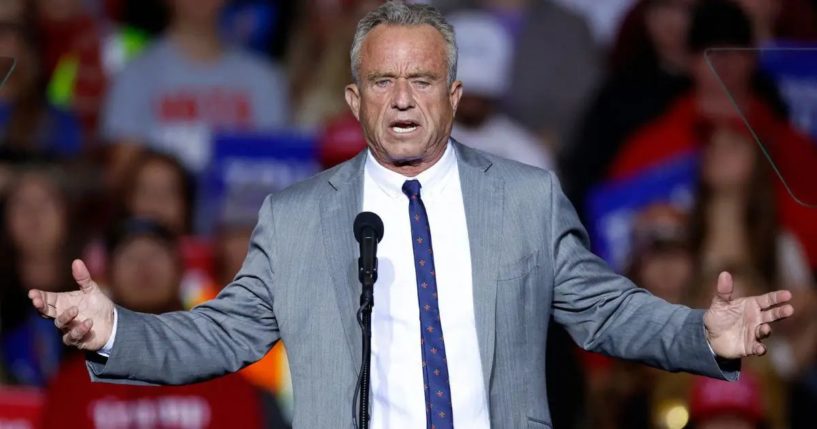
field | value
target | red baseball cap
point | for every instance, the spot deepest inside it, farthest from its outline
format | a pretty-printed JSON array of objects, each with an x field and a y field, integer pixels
[{"x": 710, "y": 398}]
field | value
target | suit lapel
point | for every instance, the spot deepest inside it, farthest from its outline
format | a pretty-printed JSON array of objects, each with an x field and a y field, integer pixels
[
  {"x": 483, "y": 196},
  {"x": 338, "y": 210}
]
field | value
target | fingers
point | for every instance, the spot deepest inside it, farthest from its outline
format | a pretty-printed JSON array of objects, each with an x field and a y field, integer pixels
[
  {"x": 777, "y": 313},
  {"x": 66, "y": 317},
  {"x": 763, "y": 331},
  {"x": 77, "y": 334},
  {"x": 725, "y": 287},
  {"x": 41, "y": 301},
  {"x": 759, "y": 350},
  {"x": 773, "y": 298},
  {"x": 82, "y": 276}
]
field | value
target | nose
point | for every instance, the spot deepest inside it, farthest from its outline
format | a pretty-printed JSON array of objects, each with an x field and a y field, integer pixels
[{"x": 403, "y": 98}]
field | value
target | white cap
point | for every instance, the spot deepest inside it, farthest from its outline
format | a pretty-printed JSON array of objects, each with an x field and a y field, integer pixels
[{"x": 485, "y": 50}]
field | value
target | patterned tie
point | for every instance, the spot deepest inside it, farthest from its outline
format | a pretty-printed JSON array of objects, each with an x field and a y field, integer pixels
[{"x": 435, "y": 368}]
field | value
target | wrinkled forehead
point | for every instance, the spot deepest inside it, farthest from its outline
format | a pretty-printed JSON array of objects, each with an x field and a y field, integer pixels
[{"x": 402, "y": 49}]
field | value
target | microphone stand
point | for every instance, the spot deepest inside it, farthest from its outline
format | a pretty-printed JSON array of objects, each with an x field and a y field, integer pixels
[{"x": 367, "y": 277}]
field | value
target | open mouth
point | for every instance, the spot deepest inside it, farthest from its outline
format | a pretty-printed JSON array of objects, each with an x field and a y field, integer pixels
[{"x": 403, "y": 127}]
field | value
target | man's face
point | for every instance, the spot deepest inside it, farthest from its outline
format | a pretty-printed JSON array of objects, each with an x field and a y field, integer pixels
[{"x": 403, "y": 100}]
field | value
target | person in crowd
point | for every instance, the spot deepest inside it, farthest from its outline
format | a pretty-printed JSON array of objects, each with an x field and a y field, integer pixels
[
  {"x": 144, "y": 275},
  {"x": 37, "y": 245},
  {"x": 661, "y": 260},
  {"x": 734, "y": 221},
  {"x": 649, "y": 70},
  {"x": 714, "y": 404},
  {"x": 325, "y": 33},
  {"x": 556, "y": 64},
  {"x": 187, "y": 86},
  {"x": 677, "y": 131},
  {"x": 28, "y": 123},
  {"x": 483, "y": 66},
  {"x": 158, "y": 187},
  {"x": 319, "y": 60}
]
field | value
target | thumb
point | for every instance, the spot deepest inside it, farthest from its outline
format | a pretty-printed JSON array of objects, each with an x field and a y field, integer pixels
[
  {"x": 725, "y": 287},
  {"x": 82, "y": 276}
]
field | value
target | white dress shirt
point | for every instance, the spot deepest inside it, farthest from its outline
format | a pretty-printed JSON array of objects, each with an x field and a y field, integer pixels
[{"x": 398, "y": 398}]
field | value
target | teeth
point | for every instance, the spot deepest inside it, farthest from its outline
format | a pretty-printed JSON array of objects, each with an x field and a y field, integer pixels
[{"x": 401, "y": 129}]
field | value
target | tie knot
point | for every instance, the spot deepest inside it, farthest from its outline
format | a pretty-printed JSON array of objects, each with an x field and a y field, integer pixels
[{"x": 412, "y": 188}]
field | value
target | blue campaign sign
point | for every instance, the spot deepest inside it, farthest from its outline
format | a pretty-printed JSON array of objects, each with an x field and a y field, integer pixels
[
  {"x": 612, "y": 206},
  {"x": 793, "y": 67},
  {"x": 245, "y": 168}
]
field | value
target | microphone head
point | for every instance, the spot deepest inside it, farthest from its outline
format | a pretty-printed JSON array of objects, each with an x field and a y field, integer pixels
[{"x": 366, "y": 220}]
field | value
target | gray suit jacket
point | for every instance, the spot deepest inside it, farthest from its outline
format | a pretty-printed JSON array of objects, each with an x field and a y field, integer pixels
[{"x": 299, "y": 284}]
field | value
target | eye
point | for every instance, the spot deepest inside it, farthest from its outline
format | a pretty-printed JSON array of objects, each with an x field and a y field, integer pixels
[
  {"x": 382, "y": 83},
  {"x": 422, "y": 83}
]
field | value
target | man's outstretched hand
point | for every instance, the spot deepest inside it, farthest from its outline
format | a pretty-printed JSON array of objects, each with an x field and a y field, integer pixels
[
  {"x": 736, "y": 327},
  {"x": 85, "y": 317}
]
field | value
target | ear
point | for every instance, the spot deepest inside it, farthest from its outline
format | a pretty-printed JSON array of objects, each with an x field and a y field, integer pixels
[
  {"x": 352, "y": 94},
  {"x": 454, "y": 95}
]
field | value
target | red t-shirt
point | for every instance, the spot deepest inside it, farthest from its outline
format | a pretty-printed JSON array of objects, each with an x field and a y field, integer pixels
[{"x": 72, "y": 401}]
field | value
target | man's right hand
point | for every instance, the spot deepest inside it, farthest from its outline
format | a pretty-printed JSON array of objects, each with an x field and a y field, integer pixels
[{"x": 85, "y": 317}]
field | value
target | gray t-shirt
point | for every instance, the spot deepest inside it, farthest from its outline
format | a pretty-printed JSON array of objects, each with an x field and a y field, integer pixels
[{"x": 175, "y": 105}]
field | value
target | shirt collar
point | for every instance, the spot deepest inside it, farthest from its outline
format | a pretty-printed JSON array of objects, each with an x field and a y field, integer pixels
[{"x": 432, "y": 180}]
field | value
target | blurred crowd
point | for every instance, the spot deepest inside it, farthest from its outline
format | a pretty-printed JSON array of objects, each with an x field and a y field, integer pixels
[{"x": 683, "y": 154}]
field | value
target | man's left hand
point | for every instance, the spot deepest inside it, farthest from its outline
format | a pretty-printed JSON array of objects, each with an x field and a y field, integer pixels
[{"x": 736, "y": 327}]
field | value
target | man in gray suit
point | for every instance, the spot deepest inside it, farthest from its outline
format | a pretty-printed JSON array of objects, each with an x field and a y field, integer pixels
[{"x": 458, "y": 333}]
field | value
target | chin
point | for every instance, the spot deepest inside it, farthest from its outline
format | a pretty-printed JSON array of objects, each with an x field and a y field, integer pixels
[{"x": 404, "y": 151}]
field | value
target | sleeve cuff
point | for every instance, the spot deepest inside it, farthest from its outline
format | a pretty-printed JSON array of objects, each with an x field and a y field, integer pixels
[
  {"x": 729, "y": 367},
  {"x": 108, "y": 347}
]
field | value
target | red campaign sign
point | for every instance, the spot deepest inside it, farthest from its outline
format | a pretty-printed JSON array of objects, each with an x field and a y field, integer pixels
[{"x": 20, "y": 407}]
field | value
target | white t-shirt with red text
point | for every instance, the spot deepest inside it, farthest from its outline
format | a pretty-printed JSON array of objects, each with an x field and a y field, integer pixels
[{"x": 175, "y": 105}]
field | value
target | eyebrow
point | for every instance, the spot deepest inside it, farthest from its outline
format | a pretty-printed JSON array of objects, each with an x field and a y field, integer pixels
[{"x": 415, "y": 75}]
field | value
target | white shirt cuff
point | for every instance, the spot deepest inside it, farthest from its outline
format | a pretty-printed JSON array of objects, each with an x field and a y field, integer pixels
[
  {"x": 705, "y": 336},
  {"x": 108, "y": 347}
]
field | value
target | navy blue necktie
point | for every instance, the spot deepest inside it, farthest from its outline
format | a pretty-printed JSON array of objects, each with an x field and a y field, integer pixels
[{"x": 435, "y": 367}]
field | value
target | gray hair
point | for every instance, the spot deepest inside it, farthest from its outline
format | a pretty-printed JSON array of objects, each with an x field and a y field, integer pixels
[{"x": 396, "y": 12}]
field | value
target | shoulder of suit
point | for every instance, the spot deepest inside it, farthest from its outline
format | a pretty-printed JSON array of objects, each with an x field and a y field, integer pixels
[
  {"x": 308, "y": 190},
  {"x": 506, "y": 169}
]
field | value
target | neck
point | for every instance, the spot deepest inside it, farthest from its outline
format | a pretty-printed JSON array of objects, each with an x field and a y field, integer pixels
[
  {"x": 198, "y": 41},
  {"x": 726, "y": 207}
]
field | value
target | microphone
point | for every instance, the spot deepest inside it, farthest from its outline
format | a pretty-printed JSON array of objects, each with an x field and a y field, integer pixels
[{"x": 368, "y": 232}]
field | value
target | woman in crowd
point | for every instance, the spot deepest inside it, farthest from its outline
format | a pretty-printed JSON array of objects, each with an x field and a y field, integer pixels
[
  {"x": 159, "y": 188},
  {"x": 37, "y": 248},
  {"x": 734, "y": 222}
]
